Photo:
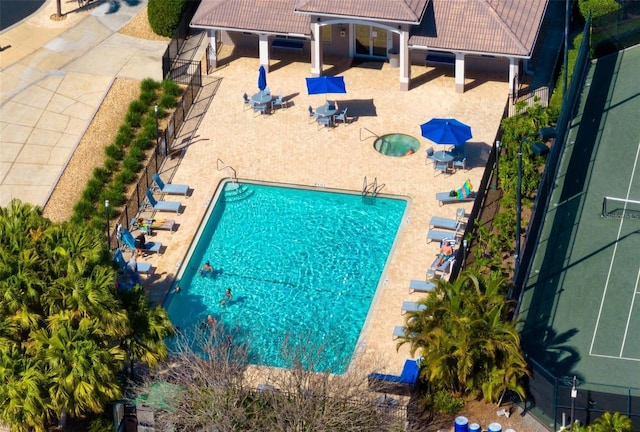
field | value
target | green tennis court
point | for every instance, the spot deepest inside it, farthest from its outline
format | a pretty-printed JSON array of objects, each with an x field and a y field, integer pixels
[{"x": 581, "y": 301}]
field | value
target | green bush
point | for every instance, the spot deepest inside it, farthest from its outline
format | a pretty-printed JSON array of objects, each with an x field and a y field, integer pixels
[
  {"x": 124, "y": 136},
  {"x": 114, "y": 152},
  {"x": 148, "y": 97},
  {"x": 138, "y": 154},
  {"x": 146, "y": 139},
  {"x": 127, "y": 175},
  {"x": 93, "y": 189},
  {"x": 164, "y": 16},
  {"x": 101, "y": 174},
  {"x": 168, "y": 101},
  {"x": 170, "y": 87},
  {"x": 149, "y": 84},
  {"x": 83, "y": 210},
  {"x": 445, "y": 402},
  {"x": 597, "y": 7},
  {"x": 135, "y": 113},
  {"x": 110, "y": 164}
]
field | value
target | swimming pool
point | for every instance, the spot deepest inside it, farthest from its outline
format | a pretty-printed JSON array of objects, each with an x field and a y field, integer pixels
[{"x": 301, "y": 264}]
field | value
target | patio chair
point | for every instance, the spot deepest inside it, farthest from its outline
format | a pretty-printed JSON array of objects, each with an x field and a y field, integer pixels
[
  {"x": 247, "y": 101},
  {"x": 324, "y": 121},
  {"x": 440, "y": 167},
  {"x": 445, "y": 223},
  {"x": 147, "y": 247},
  {"x": 411, "y": 306},
  {"x": 400, "y": 331},
  {"x": 429, "y": 156},
  {"x": 279, "y": 102},
  {"x": 342, "y": 116},
  {"x": 409, "y": 374},
  {"x": 162, "y": 205},
  {"x": 169, "y": 188},
  {"x": 462, "y": 163},
  {"x": 312, "y": 114},
  {"x": 440, "y": 236},
  {"x": 421, "y": 286},
  {"x": 440, "y": 270}
]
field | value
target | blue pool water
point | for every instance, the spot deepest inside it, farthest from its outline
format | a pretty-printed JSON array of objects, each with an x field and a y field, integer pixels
[{"x": 301, "y": 264}]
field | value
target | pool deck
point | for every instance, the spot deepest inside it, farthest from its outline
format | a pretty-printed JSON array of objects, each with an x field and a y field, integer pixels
[{"x": 286, "y": 147}]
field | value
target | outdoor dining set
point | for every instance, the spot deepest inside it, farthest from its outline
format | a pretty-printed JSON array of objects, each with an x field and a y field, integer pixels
[{"x": 446, "y": 132}]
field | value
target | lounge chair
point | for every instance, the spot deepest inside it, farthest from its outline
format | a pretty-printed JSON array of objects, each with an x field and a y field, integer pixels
[
  {"x": 170, "y": 188},
  {"x": 143, "y": 267},
  {"x": 409, "y": 374},
  {"x": 421, "y": 286},
  {"x": 130, "y": 242},
  {"x": 439, "y": 236},
  {"x": 441, "y": 270},
  {"x": 464, "y": 194},
  {"x": 410, "y": 306},
  {"x": 399, "y": 331},
  {"x": 148, "y": 225},
  {"x": 445, "y": 223},
  {"x": 162, "y": 205}
]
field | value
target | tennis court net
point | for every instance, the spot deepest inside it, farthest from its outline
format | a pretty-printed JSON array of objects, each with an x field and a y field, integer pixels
[{"x": 620, "y": 208}]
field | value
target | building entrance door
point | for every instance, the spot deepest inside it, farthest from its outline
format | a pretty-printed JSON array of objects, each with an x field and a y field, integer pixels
[{"x": 370, "y": 41}]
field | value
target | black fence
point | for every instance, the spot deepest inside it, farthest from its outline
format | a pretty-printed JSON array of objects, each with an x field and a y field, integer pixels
[
  {"x": 616, "y": 31},
  {"x": 165, "y": 148},
  {"x": 552, "y": 397},
  {"x": 179, "y": 39}
]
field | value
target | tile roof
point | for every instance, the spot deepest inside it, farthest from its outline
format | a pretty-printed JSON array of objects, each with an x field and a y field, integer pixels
[
  {"x": 508, "y": 27},
  {"x": 485, "y": 26},
  {"x": 393, "y": 10},
  {"x": 275, "y": 16}
]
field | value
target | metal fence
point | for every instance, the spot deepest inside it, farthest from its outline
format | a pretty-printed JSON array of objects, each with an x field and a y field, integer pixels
[
  {"x": 165, "y": 148},
  {"x": 616, "y": 31},
  {"x": 552, "y": 396},
  {"x": 179, "y": 39}
]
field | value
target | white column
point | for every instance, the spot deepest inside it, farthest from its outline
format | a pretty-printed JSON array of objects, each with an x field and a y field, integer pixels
[
  {"x": 316, "y": 50},
  {"x": 514, "y": 69},
  {"x": 405, "y": 61},
  {"x": 213, "y": 49},
  {"x": 459, "y": 73},
  {"x": 263, "y": 47}
]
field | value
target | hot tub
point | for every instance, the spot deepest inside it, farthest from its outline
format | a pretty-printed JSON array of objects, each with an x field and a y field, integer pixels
[{"x": 396, "y": 144}]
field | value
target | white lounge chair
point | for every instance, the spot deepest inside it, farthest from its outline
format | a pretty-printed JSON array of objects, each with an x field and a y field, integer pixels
[
  {"x": 439, "y": 236},
  {"x": 421, "y": 286},
  {"x": 446, "y": 223},
  {"x": 399, "y": 331},
  {"x": 411, "y": 306},
  {"x": 162, "y": 205},
  {"x": 170, "y": 188}
]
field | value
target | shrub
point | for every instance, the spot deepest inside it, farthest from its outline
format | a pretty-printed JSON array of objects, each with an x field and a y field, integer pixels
[
  {"x": 93, "y": 189},
  {"x": 111, "y": 164},
  {"x": 171, "y": 88},
  {"x": 164, "y": 16},
  {"x": 597, "y": 7},
  {"x": 137, "y": 153},
  {"x": 445, "y": 402},
  {"x": 135, "y": 113},
  {"x": 149, "y": 84},
  {"x": 124, "y": 136},
  {"x": 144, "y": 140},
  {"x": 82, "y": 210},
  {"x": 148, "y": 97},
  {"x": 168, "y": 101},
  {"x": 127, "y": 175},
  {"x": 114, "y": 152},
  {"x": 101, "y": 174}
]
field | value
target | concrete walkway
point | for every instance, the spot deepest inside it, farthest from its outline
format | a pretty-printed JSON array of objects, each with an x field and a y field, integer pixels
[{"x": 53, "y": 77}]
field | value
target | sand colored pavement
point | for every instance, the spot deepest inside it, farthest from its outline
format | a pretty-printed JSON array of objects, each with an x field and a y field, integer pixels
[
  {"x": 53, "y": 77},
  {"x": 289, "y": 147}
]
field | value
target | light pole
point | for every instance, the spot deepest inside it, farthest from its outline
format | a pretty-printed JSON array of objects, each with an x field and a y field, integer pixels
[
  {"x": 106, "y": 206},
  {"x": 574, "y": 395},
  {"x": 497, "y": 185}
]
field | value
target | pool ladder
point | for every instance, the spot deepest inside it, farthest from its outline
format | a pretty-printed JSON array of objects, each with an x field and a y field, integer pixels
[
  {"x": 370, "y": 190},
  {"x": 231, "y": 173}
]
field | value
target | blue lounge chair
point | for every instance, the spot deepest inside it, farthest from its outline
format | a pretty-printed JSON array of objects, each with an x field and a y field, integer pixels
[
  {"x": 409, "y": 374},
  {"x": 162, "y": 205},
  {"x": 421, "y": 286},
  {"x": 130, "y": 242},
  {"x": 464, "y": 194},
  {"x": 440, "y": 270},
  {"x": 169, "y": 188},
  {"x": 143, "y": 267},
  {"x": 410, "y": 306}
]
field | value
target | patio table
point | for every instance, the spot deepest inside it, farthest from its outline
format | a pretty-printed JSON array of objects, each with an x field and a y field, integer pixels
[
  {"x": 261, "y": 100},
  {"x": 443, "y": 156},
  {"x": 324, "y": 111}
]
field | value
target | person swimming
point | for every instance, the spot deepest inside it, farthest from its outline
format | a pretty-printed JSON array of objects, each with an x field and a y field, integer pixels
[
  {"x": 206, "y": 270},
  {"x": 227, "y": 297}
]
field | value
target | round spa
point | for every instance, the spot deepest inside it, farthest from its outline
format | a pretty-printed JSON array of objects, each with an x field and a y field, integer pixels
[{"x": 396, "y": 144}]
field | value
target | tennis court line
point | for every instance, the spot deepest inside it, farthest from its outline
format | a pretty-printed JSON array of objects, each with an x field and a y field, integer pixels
[
  {"x": 613, "y": 257},
  {"x": 633, "y": 299},
  {"x": 615, "y": 357}
]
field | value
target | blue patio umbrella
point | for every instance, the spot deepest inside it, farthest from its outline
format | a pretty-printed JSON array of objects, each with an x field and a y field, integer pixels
[
  {"x": 262, "y": 78},
  {"x": 446, "y": 131},
  {"x": 325, "y": 84}
]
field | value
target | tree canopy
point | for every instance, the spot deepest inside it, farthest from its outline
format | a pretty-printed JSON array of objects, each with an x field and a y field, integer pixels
[{"x": 65, "y": 330}]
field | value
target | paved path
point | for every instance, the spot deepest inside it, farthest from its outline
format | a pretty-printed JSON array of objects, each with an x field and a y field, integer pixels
[{"x": 53, "y": 77}]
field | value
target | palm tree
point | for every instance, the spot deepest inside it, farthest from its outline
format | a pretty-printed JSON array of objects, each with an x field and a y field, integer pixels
[
  {"x": 464, "y": 338},
  {"x": 149, "y": 327},
  {"x": 609, "y": 422}
]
